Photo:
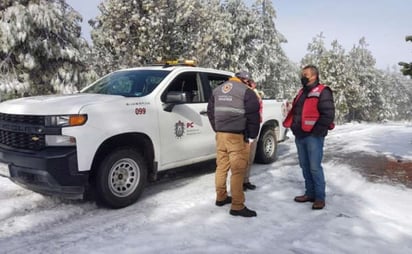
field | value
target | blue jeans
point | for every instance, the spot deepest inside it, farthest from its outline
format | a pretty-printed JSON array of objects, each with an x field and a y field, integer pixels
[{"x": 310, "y": 152}]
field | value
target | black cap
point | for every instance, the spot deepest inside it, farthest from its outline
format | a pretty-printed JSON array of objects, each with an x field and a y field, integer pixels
[{"x": 243, "y": 75}]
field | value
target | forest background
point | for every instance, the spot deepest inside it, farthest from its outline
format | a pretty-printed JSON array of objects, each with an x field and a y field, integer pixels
[{"x": 42, "y": 51}]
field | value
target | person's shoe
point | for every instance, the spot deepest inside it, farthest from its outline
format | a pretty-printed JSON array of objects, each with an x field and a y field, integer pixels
[
  {"x": 318, "y": 204},
  {"x": 248, "y": 186},
  {"x": 245, "y": 212},
  {"x": 304, "y": 198},
  {"x": 227, "y": 200}
]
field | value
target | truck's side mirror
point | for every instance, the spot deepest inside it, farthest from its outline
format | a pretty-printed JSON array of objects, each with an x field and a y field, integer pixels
[{"x": 173, "y": 98}]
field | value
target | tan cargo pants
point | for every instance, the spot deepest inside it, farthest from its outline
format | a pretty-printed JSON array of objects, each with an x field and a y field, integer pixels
[
  {"x": 233, "y": 154},
  {"x": 252, "y": 154}
]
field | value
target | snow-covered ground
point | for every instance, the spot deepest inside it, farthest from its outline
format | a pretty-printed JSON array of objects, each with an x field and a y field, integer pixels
[{"x": 179, "y": 216}]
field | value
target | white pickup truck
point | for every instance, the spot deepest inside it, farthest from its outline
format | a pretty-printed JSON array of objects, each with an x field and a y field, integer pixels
[{"x": 117, "y": 133}]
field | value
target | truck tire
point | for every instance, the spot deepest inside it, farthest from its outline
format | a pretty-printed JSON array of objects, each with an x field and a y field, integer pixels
[
  {"x": 121, "y": 178},
  {"x": 266, "y": 151}
]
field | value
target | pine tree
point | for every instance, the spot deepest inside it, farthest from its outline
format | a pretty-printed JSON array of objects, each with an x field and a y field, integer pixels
[
  {"x": 364, "y": 100},
  {"x": 241, "y": 23},
  {"x": 269, "y": 62},
  {"x": 127, "y": 34},
  {"x": 135, "y": 33},
  {"x": 397, "y": 91},
  {"x": 316, "y": 51},
  {"x": 41, "y": 51},
  {"x": 407, "y": 67},
  {"x": 215, "y": 35}
]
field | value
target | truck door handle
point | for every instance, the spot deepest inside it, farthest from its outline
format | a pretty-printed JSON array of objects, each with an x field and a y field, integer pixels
[{"x": 203, "y": 112}]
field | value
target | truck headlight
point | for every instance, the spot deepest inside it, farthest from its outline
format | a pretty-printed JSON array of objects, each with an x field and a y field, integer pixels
[
  {"x": 59, "y": 140},
  {"x": 66, "y": 120}
]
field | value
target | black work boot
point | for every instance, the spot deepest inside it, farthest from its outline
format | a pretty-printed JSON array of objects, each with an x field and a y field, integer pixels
[
  {"x": 248, "y": 186},
  {"x": 245, "y": 212},
  {"x": 225, "y": 201}
]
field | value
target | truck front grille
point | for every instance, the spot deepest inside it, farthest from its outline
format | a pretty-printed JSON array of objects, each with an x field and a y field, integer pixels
[
  {"x": 22, "y": 131},
  {"x": 25, "y": 119}
]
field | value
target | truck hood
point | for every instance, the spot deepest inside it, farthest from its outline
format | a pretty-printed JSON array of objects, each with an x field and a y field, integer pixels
[{"x": 54, "y": 104}]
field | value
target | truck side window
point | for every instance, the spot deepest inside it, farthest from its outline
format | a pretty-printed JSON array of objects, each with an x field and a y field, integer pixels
[
  {"x": 213, "y": 81},
  {"x": 188, "y": 83}
]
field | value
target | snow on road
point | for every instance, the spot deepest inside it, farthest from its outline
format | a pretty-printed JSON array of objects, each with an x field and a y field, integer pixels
[{"x": 178, "y": 215}]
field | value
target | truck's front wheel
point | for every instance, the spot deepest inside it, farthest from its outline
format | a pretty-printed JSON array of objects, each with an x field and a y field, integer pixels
[
  {"x": 266, "y": 151},
  {"x": 120, "y": 178}
]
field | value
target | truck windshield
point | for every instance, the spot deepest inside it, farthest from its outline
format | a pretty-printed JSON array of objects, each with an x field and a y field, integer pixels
[{"x": 130, "y": 83}]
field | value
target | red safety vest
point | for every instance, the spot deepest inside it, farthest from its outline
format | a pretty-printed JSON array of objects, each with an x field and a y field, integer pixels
[{"x": 310, "y": 112}]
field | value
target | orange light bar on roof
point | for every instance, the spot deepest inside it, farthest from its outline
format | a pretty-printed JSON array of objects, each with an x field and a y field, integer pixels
[
  {"x": 181, "y": 62},
  {"x": 190, "y": 62}
]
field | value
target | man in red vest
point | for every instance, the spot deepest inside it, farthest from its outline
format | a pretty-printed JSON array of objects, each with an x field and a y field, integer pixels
[{"x": 310, "y": 118}]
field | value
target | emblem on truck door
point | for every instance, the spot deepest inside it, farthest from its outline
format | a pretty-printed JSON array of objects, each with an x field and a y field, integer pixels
[{"x": 179, "y": 129}]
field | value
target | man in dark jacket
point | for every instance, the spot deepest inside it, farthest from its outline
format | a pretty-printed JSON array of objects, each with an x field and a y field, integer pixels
[
  {"x": 310, "y": 118},
  {"x": 233, "y": 112}
]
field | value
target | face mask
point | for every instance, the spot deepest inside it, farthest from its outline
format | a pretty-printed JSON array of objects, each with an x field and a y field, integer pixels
[{"x": 304, "y": 81}]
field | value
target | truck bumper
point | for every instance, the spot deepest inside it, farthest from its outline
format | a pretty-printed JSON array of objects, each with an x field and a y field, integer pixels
[{"x": 52, "y": 171}]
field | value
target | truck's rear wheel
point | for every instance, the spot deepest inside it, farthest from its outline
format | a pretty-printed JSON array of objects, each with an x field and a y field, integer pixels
[
  {"x": 120, "y": 178},
  {"x": 266, "y": 151}
]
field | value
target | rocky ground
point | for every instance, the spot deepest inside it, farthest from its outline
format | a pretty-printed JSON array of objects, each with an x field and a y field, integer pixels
[{"x": 380, "y": 168}]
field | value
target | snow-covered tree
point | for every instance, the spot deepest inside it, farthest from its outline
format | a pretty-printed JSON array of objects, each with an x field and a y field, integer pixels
[
  {"x": 187, "y": 30},
  {"x": 407, "y": 67},
  {"x": 269, "y": 63},
  {"x": 134, "y": 33},
  {"x": 365, "y": 99},
  {"x": 215, "y": 35},
  {"x": 397, "y": 90},
  {"x": 316, "y": 51},
  {"x": 239, "y": 24},
  {"x": 127, "y": 33},
  {"x": 41, "y": 50}
]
